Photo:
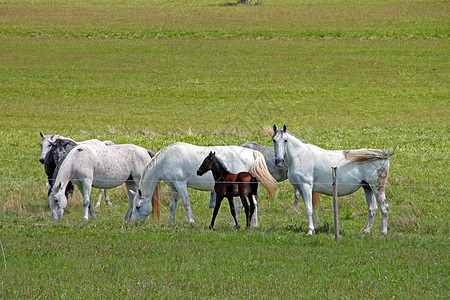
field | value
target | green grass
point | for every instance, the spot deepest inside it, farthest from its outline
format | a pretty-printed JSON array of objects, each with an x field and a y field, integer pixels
[{"x": 341, "y": 74}]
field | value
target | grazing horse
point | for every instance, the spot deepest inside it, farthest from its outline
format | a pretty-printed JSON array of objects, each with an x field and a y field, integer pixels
[
  {"x": 309, "y": 169},
  {"x": 229, "y": 185},
  {"x": 177, "y": 164},
  {"x": 46, "y": 145},
  {"x": 101, "y": 167}
]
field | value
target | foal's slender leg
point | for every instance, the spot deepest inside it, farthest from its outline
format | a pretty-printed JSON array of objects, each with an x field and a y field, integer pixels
[
  {"x": 371, "y": 208},
  {"x": 216, "y": 210},
  {"x": 233, "y": 212},
  {"x": 245, "y": 202},
  {"x": 252, "y": 205}
]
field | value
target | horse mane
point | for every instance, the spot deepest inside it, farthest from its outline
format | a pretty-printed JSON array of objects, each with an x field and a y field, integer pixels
[
  {"x": 222, "y": 164},
  {"x": 58, "y": 164},
  {"x": 367, "y": 155}
]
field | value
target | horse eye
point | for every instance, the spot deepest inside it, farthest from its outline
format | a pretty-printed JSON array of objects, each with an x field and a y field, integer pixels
[
  {"x": 138, "y": 206},
  {"x": 285, "y": 140}
]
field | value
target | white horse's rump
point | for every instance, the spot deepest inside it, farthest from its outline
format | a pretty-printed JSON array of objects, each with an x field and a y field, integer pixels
[
  {"x": 101, "y": 167},
  {"x": 177, "y": 164},
  {"x": 309, "y": 170}
]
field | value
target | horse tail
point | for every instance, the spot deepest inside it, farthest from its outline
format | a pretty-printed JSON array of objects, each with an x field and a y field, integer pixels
[
  {"x": 367, "y": 155},
  {"x": 156, "y": 203},
  {"x": 260, "y": 171}
]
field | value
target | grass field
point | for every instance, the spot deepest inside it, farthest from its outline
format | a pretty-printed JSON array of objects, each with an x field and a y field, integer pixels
[{"x": 341, "y": 74}]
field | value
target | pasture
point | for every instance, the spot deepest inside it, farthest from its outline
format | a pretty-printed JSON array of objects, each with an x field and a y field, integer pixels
[{"x": 342, "y": 74}]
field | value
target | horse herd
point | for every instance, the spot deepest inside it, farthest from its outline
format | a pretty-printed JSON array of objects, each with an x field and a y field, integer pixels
[{"x": 235, "y": 172}]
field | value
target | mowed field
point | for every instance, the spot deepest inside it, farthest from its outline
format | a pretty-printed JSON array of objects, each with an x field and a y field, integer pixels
[{"x": 342, "y": 74}]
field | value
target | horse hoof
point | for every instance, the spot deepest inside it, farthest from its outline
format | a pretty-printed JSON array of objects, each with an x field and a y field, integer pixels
[{"x": 310, "y": 232}]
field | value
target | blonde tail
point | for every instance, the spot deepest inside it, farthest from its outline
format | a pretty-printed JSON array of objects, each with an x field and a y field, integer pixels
[
  {"x": 260, "y": 171},
  {"x": 156, "y": 203}
]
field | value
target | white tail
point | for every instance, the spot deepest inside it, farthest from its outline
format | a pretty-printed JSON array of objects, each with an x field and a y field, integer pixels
[{"x": 260, "y": 171}]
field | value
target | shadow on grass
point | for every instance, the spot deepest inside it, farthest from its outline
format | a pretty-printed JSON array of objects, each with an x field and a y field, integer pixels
[{"x": 303, "y": 227}]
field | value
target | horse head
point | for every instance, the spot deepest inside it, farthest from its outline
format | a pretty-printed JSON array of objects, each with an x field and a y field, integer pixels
[
  {"x": 280, "y": 140},
  {"x": 142, "y": 206},
  {"x": 45, "y": 145},
  {"x": 57, "y": 201},
  {"x": 207, "y": 164}
]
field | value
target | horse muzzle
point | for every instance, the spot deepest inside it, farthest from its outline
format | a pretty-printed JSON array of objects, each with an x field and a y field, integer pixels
[
  {"x": 279, "y": 163},
  {"x": 41, "y": 160}
]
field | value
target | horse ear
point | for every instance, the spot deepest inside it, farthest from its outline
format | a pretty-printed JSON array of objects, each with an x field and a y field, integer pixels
[
  {"x": 284, "y": 128},
  {"x": 42, "y": 135},
  {"x": 274, "y": 128}
]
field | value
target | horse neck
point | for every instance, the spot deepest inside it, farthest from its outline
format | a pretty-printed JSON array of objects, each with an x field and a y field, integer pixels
[
  {"x": 151, "y": 176},
  {"x": 219, "y": 171},
  {"x": 62, "y": 173},
  {"x": 294, "y": 148}
]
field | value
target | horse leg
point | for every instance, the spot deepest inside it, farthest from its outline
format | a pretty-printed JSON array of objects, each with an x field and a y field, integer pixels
[
  {"x": 216, "y": 210},
  {"x": 252, "y": 205},
  {"x": 102, "y": 192},
  {"x": 99, "y": 200},
  {"x": 85, "y": 189},
  {"x": 384, "y": 206},
  {"x": 297, "y": 195},
  {"x": 131, "y": 185},
  {"x": 212, "y": 199},
  {"x": 306, "y": 190},
  {"x": 245, "y": 202},
  {"x": 371, "y": 208},
  {"x": 105, "y": 191},
  {"x": 237, "y": 208},
  {"x": 173, "y": 204},
  {"x": 233, "y": 212},
  {"x": 254, "y": 216},
  {"x": 182, "y": 190}
]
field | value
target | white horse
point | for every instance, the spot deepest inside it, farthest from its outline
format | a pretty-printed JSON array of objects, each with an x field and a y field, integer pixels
[
  {"x": 177, "y": 164},
  {"x": 101, "y": 167},
  {"x": 47, "y": 142},
  {"x": 309, "y": 170}
]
